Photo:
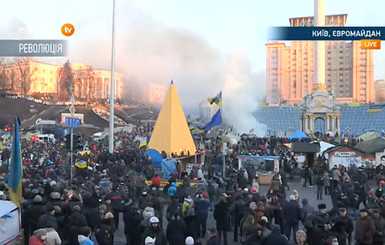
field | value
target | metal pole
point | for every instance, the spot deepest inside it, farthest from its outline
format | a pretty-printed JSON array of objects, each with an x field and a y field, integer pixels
[
  {"x": 72, "y": 152},
  {"x": 224, "y": 166},
  {"x": 112, "y": 85}
]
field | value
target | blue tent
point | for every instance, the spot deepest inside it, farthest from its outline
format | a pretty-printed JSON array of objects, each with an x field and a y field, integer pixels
[
  {"x": 156, "y": 158},
  {"x": 297, "y": 135},
  {"x": 168, "y": 166}
]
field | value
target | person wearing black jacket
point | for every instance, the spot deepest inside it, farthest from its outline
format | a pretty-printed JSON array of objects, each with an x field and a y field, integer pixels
[
  {"x": 222, "y": 217},
  {"x": 176, "y": 232},
  {"x": 347, "y": 221},
  {"x": 276, "y": 237},
  {"x": 132, "y": 219},
  {"x": 292, "y": 216},
  {"x": 320, "y": 185},
  {"x": 193, "y": 225},
  {"x": 238, "y": 208}
]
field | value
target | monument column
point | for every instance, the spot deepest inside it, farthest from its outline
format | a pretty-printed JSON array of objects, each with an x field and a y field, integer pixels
[
  {"x": 319, "y": 54},
  {"x": 301, "y": 122}
]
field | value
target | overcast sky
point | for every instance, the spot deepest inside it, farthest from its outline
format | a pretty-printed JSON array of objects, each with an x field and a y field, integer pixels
[{"x": 223, "y": 27}]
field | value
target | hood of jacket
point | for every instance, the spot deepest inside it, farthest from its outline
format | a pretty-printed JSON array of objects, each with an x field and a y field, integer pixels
[{"x": 81, "y": 238}]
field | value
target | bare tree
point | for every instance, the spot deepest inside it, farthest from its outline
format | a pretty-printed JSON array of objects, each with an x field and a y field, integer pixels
[
  {"x": 66, "y": 82},
  {"x": 24, "y": 75},
  {"x": 3, "y": 75}
]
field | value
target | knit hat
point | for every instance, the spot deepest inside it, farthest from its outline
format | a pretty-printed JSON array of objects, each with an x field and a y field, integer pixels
[{"x": 38, "y": 199}]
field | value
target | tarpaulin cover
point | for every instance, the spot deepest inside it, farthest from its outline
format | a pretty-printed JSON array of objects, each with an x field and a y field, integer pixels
[
  {"x": 168, "y": 166},
  {"x": 156, "y": 158}
]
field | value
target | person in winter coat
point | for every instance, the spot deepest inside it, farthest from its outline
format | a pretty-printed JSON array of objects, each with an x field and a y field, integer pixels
[
  {"x": 292, "y": 216},
  {"x": 237, "y": 210},
  {"x": 53, "y": 237},
  {"x": 105, "y": 231},
  {"x": 84, "y": 236},
  {"x": 379, "y": 223},
  {"x": 192, "y": 224},
  {"x": 326, "y": 177},
  {"x": 174, "y": 209},
  {"x": 222, "y": 217},
  {"x": 255, "y": 238},
  {"x": 212, "y": 237},
  {"x": 365, "y": 229},
  {"x": 155, "y": 231},
  {"x": 48, "y": 218},
  {"x": 132, "y": 219},
  {"x": 76, "y": 222},
  {"x": 276, "y": 237},
  {"x": 116, "y": 203},
  {"x": 38, "y": 237},
  {"x": 172, "y": 190},
  {"x": 176, "y": 231},
  {"x": 34, "y": 211},
  {"x": 347, "y": 221},
  {"x": 338, "y": 230},
  {"x": 202, "y": 206}
]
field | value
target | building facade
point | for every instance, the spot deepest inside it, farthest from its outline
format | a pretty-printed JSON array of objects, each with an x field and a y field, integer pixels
[
  {"x": 27, "y": 77},
  {"x": 156, "y": 94},
  {"x": 95, "y": 83},
  {"x": 32, "y": 78},
  {"x": 290, "y": 68}
]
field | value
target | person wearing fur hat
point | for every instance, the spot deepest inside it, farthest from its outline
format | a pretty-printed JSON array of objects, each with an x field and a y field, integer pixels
[
  {"x": 34, "y": 212},
  {"x": 105, "y": 231}
]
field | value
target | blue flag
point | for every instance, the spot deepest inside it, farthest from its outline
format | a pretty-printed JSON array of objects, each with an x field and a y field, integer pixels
[
  {"x": 215, "y": 121},
  {"x": 16, "y": 167}
]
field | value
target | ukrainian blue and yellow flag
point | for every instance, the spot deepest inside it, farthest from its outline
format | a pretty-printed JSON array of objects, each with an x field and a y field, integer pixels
[
  {"x": 217, "y": 99},
  {"x": 143, "y": 142},
  {"x": 16, "y": 167}
]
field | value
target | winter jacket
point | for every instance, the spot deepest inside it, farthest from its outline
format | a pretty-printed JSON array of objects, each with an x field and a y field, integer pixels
[
  {"x": 83, "y": 240},
  {"x": 53, "y": 237},
  {"x": 45, "y": 220},
  {"x": 160, "y": 239},
  {"x": 34, "y": 240},
  {"x": 172, "y": 189},
  {"x": 292, "y": 212},
  {"x": 193, "y": 226},
  {"x": 222, "y": 216},
  {"x": 276, "y": 237},
  {"x": 365, "y": 230},
  {"x": 379, "y": 223},
  {"x": 176, "y": 232}
]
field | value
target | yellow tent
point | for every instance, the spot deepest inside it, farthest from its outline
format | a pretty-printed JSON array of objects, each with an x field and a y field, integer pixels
[{"x": 171, "y": 133}]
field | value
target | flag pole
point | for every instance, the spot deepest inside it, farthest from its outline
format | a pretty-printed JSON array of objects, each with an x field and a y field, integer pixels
[{"x": 112, "y": 85}]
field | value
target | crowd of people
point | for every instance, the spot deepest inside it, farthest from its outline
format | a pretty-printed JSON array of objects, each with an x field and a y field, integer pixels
[{"x": 87, "y": 210}]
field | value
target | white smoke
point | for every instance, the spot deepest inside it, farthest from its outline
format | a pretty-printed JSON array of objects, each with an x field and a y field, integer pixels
[{"x": 243, "y": 89}]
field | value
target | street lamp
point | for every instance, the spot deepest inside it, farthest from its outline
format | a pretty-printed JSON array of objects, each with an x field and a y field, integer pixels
[{"x": 112, "y": 85}]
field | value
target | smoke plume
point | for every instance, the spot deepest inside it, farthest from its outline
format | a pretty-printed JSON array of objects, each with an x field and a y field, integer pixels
[{"x": 243, "y": 88}]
